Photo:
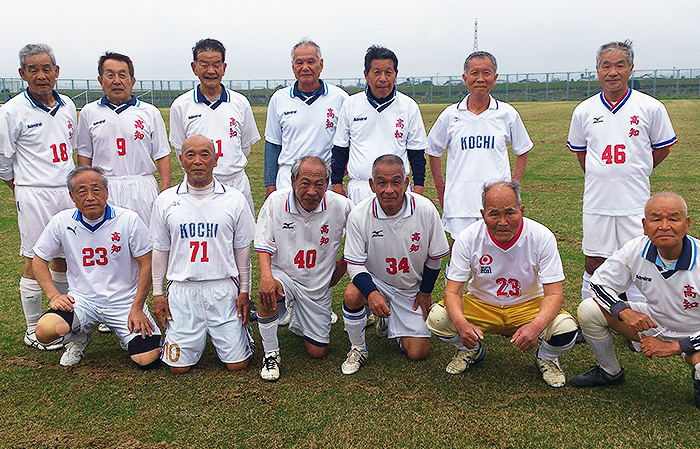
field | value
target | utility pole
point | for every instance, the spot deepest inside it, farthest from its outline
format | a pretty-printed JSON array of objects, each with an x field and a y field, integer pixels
[{"x": 476, "y": 35}]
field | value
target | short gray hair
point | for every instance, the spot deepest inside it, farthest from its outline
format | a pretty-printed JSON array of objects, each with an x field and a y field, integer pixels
[
  {"x": 481, "y": 54},
  {"x": 32, "y": 50},
  {"x": 83, "y": 168},
  {"x": 297, "y": 165},
  {"x": 512, "y": 184},
  {"x": 307, "y": 41},
  {"x": 671, "y": 195},
  {"x": 389, "y": 159},
  {"x": 625, "y": 46}
]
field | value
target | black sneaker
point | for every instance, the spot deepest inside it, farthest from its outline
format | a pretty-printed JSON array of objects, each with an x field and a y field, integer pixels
[
  {"x": 696, "y": 386},
  {"x": 597, "y": 377}
]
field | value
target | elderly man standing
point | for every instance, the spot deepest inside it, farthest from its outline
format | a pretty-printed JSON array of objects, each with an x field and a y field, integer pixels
[
  {"x": 378, "y": 121},
  {"x": 663, "y": 265},
  {"x": 201, "y": 232},
  {"x": 619, "y": 136},
  {"x": 109, "y": 259},
  {"x": 124, "y": 136},
  {"x": 297, "y": 238},
  {"x": 394, "y": 245},
  {"x": 37, "y": 134},
  {"x": 476, "y": 132},
  {"x": 301, "y": 119},
  {"x": 515, "y": 287},
  {"x": 222, "y": 115}
]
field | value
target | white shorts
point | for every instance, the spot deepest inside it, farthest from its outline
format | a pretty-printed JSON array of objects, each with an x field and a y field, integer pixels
[
  {"x": 134, "y": 192},
  {"x": 455, "y": 225},
  {"x": 90, "y": 314},
  {"x": 311, "y": 318},
  {"x": 239, "y": 180},
  {"x": 605, "y": 234},
  {"x": 403, "y": 320},
  {"x": 201, "y": 308},
  {"x": 659, "y": 332},
  {"x": 35, "y": 207}
]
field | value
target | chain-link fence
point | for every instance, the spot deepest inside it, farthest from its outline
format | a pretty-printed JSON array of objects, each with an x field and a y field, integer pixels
[{"x": 557, "y": 86}]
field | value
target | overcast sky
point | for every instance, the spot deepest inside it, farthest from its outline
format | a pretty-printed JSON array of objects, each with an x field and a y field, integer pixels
[{"x": 429, "y": 37}]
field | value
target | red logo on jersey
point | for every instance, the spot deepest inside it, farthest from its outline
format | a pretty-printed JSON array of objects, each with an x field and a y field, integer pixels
[
  {"x": 485, "y": 260},
  {"x": 324, "y": 229},
  {"x": 329, "y": 124},
  {"x": 324, "y": 240},
  {"x": 139, "y": 124},
  {"x": 415, "y": 237},
  {"x": 414, "y": 248},
  {"x": 634, "y": 120},
  {"x": 689, "y": 292},
  {"x": 232, "y": 133},
  {"x": 330, "y": 113},
  {"x": 116, "y": 248},
  {"x": 633, "y": 132},
  {"x": 70, "y": 129},
  {"x": 232, "y": 122},
  {"x": 138, "y": 135},
  {"x": 399, "y": 123},
  {"x": 116, "y": 237},
  {"x": 398, "y": 134}
]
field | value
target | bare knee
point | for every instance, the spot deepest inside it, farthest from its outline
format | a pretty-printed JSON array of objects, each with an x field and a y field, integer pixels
[
  {"x": 353, "y": 298},
  {"x": 50, "y": 327},
  {"x": 416, "y": 348},
  {"x": 238, "y": 366},
  {"x": 693, "y": 359},
  {"x": 146, "y": 358},
  {"x": 315, "y": 352},
  {"x": 180, "y": 369},
  {"x": 592, "y": 263}
]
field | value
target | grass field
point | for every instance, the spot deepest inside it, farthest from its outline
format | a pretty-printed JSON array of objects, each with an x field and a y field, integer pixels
[{"x": 391, "y": 402}]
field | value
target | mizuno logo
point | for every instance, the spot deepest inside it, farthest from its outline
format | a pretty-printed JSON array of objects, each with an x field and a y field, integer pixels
[
  {"x": 379, "y": 233},
  {"x": 34, "y": 125},
  {"x": 194, "y": 116},
  {"x": 289, "y": 112},
  {"x": 71, "y": 229},
  {"x": 98, "y": 122},
  {"x": 598, "y": 119},
  {"x": 359, "y": 119},
  {"x": 289, "y": 225}
]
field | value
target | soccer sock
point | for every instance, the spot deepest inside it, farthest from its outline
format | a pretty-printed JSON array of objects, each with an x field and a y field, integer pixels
[
  {"x": 60, "y": 281},
  {"x": 605, "y": 353},
  {"x": 355, "y": 321},
  {"x": 457, "y": 342},
  {"x": 268, "y": 332},
  {"x": 584, "y": 286},
  {"x": 697, "y": 371},
  {"x": 634, "y": 295},
  {"x": 550, "y": 352},
  {"x": 30, "y": 292}
]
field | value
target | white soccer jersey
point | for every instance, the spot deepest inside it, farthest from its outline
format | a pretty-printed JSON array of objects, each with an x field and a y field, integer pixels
[
  {"x": 303, "y": 244},
  {"x": 396, "y": 249},
  {"x": 371, "y": 134},
  {"x": 477, "y": 151},
  {"x": 125, "y": 140},
  {"x": 673, "y": 293},
  {"x": 303, "y": 128},
  {"x": 101, "y": 258},
  {"x": 201, "y": 235},
  {"x": 619, "y": 140},
  {"x": 228, "y": 122},
  {"x": 510, "y": 273},
  {"x": 39, "y": 141}
]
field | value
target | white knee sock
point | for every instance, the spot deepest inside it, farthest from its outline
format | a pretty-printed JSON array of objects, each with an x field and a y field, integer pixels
[
  {"x": 30, "y": 292},
  {"x": 697, "y": 371},
  {"x": 457, "y": 342},
  {"x": 268, "y": 332},
  {"x": 584, "y": 286},
  {"x": 60, "y": 281},
  {"x": 549, "y": 352},
  {"x": 355, "y": 323},
  {"x": 605, "y": 353}
]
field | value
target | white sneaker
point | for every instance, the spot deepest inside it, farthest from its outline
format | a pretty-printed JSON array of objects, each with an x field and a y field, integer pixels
[
  {"x": 104, "y": 329},
  {"x": 371, "y": 319},
  {"x": 551, "y": 371},
  {"x": 285, "y": 321},
  {"x": 31, "y": 341},
  {"x": 74, "y": 351},
  {"x": 334, "y": 318},
  {"x": 271, "y": 367},
  {"x": 356, "y": 358},
  {"x": 463, "y": 359},
  {"x": 381, "y": 328}
]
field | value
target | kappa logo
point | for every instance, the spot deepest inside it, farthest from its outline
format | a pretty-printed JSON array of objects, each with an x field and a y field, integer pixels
[
  {"x": 289, "y": 112},
  {"x": 72, "y": 229},
  {"x": 598, "y": 119},
  {"x": 643, "y": 278},
  {"x": 194, "y": 116},
  {"x": 378, "y": 233},
  {"x": 359, "y": 119},
  {"x": 99, "y": 122},
  {"x": 289, "y": 225},
  {"x": 34, "y": 125}
]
